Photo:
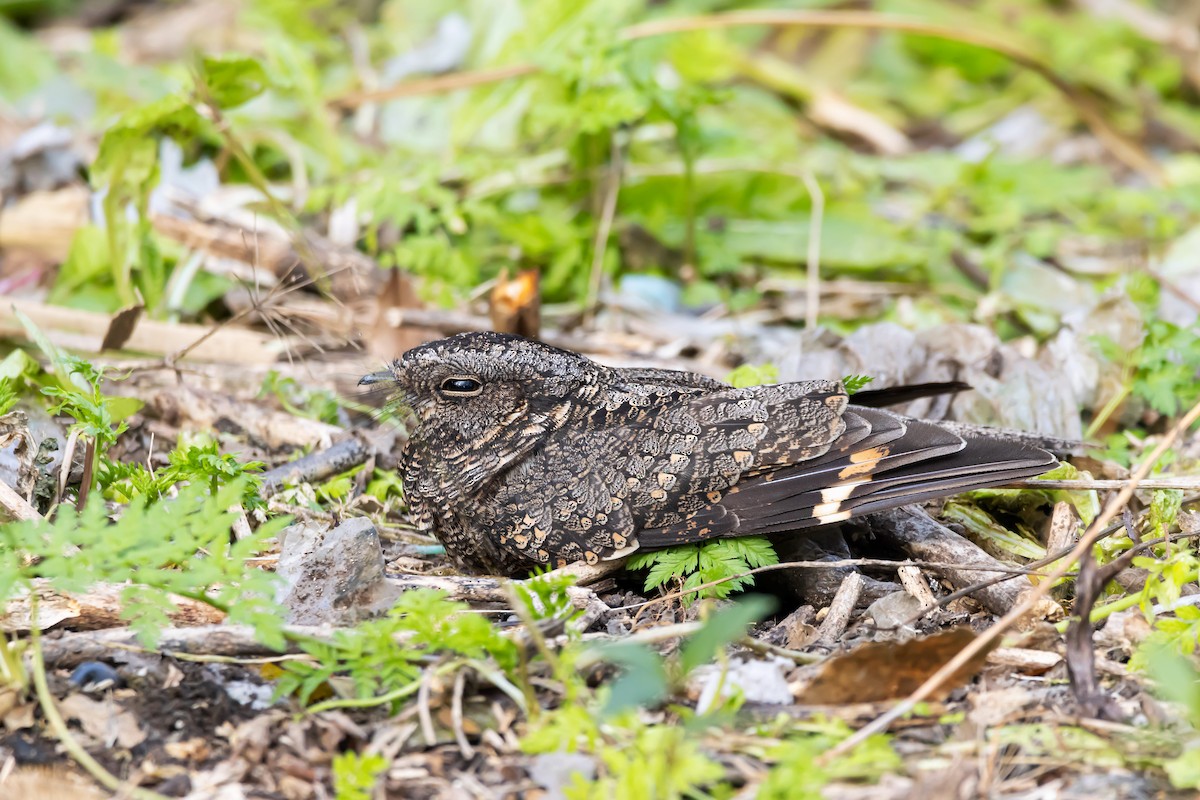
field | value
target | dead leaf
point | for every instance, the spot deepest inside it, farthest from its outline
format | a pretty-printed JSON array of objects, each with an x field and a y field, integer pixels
[
  {"x": 194, "y": 749},
  {"x": 20, "y": 717},
  {"x": 997, "y": 706},
  {"x": 45, "y": 222},
  {"x": 888, "y": 670},
  {"x": 174, "y": 676},
  {"x": 516, "y": 304},
  {"x": 103, "y": 720},
  {"x": 121, "y": 327},
  {"x": 50, "y": 783}
]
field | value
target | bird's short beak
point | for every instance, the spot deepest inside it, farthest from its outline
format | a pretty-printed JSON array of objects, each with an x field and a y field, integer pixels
[{"x": 377, "y": 377}]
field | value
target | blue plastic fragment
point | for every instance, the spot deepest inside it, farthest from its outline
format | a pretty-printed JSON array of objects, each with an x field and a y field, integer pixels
[{"x": 94, "y": 676}]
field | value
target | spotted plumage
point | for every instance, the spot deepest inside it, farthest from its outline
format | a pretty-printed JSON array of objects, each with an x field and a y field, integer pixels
[{"x": 521, "y": 454}]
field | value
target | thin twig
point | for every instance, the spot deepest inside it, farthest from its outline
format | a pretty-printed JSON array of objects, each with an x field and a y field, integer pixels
[
  {"x": 456, "y": 716},
  {"x": 276, "y": 293},
  {"x": 442, "y": 83},
  {"x": 768, "y": 649},
  {"x": 655, "y": 635},
  {"x": 977, "y": 645},
  {"x": 1080, "y": 647},
  {"x": 1182, "y": 482},
  {"x": 812, "y": 287},
  {"x": 423, "y": 712},
  {"x": 608, "y": 213}
]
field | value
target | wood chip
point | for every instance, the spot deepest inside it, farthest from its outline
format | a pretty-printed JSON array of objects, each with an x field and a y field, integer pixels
[
  {"x": 1032, "y": 662},
  {"x": 98, "y": 608},
  {"x": 915, "y": 584},
  {"x": 15, "y": 507},
  {"x": 838, "y": 616},
  {"x": 45, "y": 222},
  {"x": 1064, "y": 528}
]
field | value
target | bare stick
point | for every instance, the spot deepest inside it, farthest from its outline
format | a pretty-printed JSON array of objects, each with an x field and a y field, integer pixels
[
  {"x": 604, "y": 229},
  {"x": 1184, "y": 483},
  {"x": 812, "y": 287},
  {"x": 841, "y": 608},
  {"x": 15, "y": 507}
]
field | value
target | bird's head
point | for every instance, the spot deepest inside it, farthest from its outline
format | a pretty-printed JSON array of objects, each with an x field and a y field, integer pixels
[{"x": 477, "y": 401}]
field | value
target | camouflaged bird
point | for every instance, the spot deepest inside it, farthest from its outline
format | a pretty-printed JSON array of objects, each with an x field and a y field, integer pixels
[{"x": 521, "y": 454}]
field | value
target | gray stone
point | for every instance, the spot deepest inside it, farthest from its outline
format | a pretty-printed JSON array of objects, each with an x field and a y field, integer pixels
[
  {"x": 758, "y": 680},
  {"x": 333, "y": 576},
  {"x": 894, "y": 611},
  {"x": 554, "y": 771}
]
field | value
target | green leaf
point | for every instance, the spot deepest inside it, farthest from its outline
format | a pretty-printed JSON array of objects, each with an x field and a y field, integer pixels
[
  {"x": 852, "y": 238},
  {"x": 750, "y": 375},
  {"x": 355, "y": 776},
  {"x": 1177, "y": 679},
  {"x": 856, "y": 383},
  {"x": 233, "y": 80},
  {"x": 725, "y": 626},
  {"x": 985, "y": 531},
  {"x": 711, "y": 562},
  {"x": 88, "y": 261},
  {"x": 1184, "y": 771},
  {"x": 643, "y": 681},
  {"x": 1164, "y": 510},
  {"x": 24, "y": 63},
  {"x": 798, "y": 774}
]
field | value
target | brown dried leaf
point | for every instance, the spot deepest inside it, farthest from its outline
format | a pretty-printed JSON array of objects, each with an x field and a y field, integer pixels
[
  {"x": 121, "y": 327},
  {"x": 104, "y": 721},
  {"x": 889, "y": 670},
  {"x": 51, "y": 783}
]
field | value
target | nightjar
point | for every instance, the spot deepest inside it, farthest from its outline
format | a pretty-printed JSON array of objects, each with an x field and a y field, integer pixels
[{"x": 522, "y": 454}]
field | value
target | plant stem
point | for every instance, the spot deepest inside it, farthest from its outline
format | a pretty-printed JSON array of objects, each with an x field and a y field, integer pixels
[
  {"x": 1129, "y": 601},
  {"x": 378, "y": 700},
  {"x": 59, "y": 725}
]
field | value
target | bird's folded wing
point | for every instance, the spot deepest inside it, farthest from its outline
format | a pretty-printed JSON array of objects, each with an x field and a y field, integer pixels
[{"x": 880, "y": 462}]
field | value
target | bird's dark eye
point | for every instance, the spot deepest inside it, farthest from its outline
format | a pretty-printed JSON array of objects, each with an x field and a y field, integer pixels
[{"x": 460, "y": 386}]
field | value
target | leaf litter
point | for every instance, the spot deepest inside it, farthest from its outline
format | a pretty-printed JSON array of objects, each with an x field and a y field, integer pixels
[{"x": 1013, "y": 260}]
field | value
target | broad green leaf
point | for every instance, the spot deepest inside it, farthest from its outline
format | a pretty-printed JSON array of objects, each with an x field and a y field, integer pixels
[
  {"x": 723, "y": 627},
  {"x": 643, "y": 680},
  {"x": 233, "y": 80}
]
